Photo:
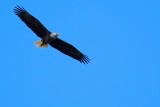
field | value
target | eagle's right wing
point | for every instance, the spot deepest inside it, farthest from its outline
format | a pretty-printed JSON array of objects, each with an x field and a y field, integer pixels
[{"x": 34, "y": 24}]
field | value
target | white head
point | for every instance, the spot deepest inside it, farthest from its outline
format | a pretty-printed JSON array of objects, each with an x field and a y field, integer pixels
[{"x": 54, "y": 35}]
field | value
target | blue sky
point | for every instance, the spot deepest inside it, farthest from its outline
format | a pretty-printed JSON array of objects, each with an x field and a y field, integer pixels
[{"x": 121, "y": 37}]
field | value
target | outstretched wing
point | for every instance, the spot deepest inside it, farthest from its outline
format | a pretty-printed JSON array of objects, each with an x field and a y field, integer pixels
[
  {"x": 34, "y": 24},
  {"x": 69, "y": 50}
]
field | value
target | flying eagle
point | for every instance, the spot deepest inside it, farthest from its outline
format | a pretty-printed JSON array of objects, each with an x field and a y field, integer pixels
[{"x": 49, "y": 38}]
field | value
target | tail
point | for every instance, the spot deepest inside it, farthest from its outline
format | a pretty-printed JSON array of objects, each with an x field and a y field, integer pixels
[{"x": 41, "y": 44}]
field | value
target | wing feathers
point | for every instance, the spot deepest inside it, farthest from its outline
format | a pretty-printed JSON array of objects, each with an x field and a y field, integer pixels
[
  {"x": 18, "y": 10},
  {"x": 69, "y": 50},
  {"x": 34, "y": 24},
  {"x": 85, "y": 59}
]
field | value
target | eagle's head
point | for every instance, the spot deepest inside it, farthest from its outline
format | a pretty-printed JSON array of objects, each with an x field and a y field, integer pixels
[{"x": 54, "y": 35}]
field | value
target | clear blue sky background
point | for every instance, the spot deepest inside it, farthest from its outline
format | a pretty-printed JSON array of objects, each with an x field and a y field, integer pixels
[{"x": 121, "y": 37}]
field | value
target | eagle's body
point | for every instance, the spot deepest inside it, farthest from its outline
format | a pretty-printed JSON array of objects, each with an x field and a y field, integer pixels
[{"x": 49, "y": 38}]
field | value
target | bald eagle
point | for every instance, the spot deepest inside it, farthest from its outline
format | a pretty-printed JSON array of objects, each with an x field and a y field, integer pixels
[{"x": 49, "y": 38}]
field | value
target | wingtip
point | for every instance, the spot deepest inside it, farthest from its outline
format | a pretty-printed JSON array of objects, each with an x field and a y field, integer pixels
[
  {"x": 17, "y": 10},
  {"x": 85, "y": 59}
]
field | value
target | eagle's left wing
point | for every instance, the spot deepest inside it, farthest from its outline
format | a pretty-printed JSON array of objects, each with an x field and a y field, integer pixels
[{"x": 69, "y": 50}]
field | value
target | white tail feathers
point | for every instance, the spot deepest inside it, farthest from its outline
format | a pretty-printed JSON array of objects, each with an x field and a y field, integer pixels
[{"x": 40, "y": 44}]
